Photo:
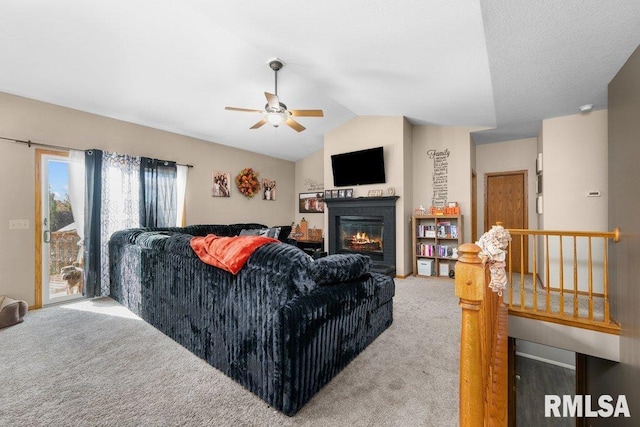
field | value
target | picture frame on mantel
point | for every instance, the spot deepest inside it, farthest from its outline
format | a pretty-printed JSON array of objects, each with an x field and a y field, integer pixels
[{"x": 374, "y": 193}]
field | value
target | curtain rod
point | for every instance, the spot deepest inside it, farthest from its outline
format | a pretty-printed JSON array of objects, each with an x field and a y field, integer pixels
[{"x": 57, "y": 147}]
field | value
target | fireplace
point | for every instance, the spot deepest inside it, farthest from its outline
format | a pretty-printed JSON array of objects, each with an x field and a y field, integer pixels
[
  {"x": 364, "y": 225},
  {"x": 363, "y": 234}
]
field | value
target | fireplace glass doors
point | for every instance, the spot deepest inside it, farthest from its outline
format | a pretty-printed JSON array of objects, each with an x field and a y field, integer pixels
[{"x": 362, "y": 234}]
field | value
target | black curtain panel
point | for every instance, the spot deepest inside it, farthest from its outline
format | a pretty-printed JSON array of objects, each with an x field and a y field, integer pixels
[
  {"x": 158, "y": 193},
  {"x": 93, "y": 207}
]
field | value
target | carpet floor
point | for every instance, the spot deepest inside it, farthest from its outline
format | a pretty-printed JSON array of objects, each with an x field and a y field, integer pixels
[
  {"x": 581, "y": 301},
  {"x": 94, "y": 363}
]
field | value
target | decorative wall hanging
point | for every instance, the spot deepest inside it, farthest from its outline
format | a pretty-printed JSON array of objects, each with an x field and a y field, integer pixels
[
  {"x": 220, "y": 184},
  {"x": 247, "y": 182},
  {"x": 268, "y": 189},
  {"x": 440, "y": 176},
  {"x": 311, "y": 202}
]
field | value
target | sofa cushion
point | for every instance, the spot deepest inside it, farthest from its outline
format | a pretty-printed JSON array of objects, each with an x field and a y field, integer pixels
[
  {"x": 339, "y": 268},
  {"x": 272, "y": 232},
  {"x": 152, "y": 239}
]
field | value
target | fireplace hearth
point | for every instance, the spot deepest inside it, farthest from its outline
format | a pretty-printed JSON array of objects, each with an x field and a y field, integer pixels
[{"x": 364, "y": 225}]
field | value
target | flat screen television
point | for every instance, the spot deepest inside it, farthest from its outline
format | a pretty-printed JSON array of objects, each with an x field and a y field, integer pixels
[{"x": 358, "y": 167}]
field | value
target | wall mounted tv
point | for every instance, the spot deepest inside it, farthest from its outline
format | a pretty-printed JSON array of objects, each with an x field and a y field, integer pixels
[{"x": 358, "y": 167}]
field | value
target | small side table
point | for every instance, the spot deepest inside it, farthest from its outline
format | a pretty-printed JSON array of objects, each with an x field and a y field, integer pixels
[{"x": 315, "y": 248}]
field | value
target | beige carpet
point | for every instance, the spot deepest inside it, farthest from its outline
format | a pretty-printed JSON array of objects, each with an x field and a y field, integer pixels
[
  {"x": 92, "y": 363},
  {"x": 582, "y": 301}
]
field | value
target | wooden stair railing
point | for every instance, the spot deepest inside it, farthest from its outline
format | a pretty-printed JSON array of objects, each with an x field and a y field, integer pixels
[
  {"x": 483, "y": 344},
  {"x": 570, "y": 268}
]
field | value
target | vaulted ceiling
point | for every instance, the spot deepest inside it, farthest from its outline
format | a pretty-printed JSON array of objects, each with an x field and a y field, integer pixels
[{"x": 502, "y": 65}]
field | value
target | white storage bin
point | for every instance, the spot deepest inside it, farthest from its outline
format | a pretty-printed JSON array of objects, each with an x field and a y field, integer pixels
[{"x": 425, "y": 267}]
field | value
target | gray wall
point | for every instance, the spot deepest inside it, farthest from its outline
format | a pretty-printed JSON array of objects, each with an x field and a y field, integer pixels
[{"x": 624, "y": 204}]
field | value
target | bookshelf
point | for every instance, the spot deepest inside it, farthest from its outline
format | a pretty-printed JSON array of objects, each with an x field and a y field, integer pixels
[{"x": 434, "y": 239}]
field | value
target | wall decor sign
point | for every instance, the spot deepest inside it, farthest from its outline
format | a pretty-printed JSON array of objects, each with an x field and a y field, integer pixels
[
  {"x": 313, "y": 185},
  {"x": 440, "y": 181},
  {"x": 311, "y": 202},
  {"x": 220, "y": 184}
]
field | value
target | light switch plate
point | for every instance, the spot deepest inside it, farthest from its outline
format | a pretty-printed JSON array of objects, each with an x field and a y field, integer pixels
[{"x": 18, "y": 224}]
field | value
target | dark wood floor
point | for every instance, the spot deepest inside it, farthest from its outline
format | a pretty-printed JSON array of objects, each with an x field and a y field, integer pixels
[{"x": 536, "y": 379}]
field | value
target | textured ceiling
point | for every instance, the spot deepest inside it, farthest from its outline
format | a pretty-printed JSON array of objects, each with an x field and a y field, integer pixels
[{"x": 172, "y": 65}]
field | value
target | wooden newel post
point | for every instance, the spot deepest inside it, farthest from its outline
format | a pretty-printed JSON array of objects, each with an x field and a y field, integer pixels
[{"x": 470, "y": 288}]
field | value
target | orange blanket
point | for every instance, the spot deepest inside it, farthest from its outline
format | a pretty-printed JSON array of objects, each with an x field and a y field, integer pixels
[{"x": 228, "y": 253}]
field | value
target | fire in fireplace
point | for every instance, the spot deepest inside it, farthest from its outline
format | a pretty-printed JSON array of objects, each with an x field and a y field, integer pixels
[{"x": 361, "y": 234}]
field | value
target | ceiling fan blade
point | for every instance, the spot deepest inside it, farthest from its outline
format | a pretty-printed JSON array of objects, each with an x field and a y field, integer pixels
[
  {"x": 307, "y": 113},
  {"x": 260, "y": 123},
  {"x": 248, "y": 110},
  {"x": 294, "y": 125},
  {"x": 272, "y": 100}
]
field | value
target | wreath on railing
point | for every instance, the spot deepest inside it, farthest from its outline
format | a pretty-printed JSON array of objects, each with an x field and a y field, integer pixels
[
  {"x": 493, "y": 245},
  {"x": 247, "y": 182}
]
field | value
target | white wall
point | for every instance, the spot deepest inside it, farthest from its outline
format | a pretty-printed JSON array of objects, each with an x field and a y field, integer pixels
[
  {"x": 575, "y": 163},
  {"x": 458, "y": 141},
  {"x": 26, "y": 119}
]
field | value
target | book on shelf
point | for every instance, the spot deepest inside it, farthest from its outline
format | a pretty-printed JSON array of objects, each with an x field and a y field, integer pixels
[{"x": 426, "y": 230}]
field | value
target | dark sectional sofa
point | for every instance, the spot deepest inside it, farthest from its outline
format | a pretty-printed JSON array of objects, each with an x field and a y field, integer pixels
[{"x": 283, "y": 327}]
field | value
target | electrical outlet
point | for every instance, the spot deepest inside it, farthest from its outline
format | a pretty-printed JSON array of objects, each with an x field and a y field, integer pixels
[{"x": 18, "y": 224}]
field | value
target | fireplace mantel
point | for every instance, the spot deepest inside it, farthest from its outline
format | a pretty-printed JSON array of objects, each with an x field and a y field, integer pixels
[
  {"x": 384, "y": 207},
  {"x": 362, "y": 201}
]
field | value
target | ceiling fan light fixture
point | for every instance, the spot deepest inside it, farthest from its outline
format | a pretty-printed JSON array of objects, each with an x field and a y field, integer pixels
[{"x": 276, "y": 118}]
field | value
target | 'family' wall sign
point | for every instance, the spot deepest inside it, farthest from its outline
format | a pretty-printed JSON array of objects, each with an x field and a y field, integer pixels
[{"x": 440, "y": 180}]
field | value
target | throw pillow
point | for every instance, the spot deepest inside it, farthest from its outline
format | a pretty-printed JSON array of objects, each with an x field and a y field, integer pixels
[
  {"x": 339, "y": 268},
  {"x": 272, "y": 232}
]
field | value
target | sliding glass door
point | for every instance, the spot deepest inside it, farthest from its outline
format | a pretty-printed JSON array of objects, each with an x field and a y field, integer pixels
[{"x": 60, "y": 270}]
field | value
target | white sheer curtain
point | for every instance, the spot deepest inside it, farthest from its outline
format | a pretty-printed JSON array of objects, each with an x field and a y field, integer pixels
[
  {"x": 120, "y": 203},
  {"x": 76, "y": 195},
  {"x": 181, "y": 186}
]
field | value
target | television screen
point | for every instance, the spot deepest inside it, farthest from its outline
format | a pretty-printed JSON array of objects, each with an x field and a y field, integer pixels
[{"x": 358, "y": 167}]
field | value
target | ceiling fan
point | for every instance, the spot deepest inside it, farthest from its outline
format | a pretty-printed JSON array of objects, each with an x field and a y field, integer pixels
[{"x": 275, "y": 112}]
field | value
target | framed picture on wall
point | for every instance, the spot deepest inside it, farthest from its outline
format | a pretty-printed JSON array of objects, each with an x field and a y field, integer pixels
[
  {"x": 539, "y": 184},
  {"x": 539, "y": 204},
  {"x": 311, "y": 202},
  {"x": 220, "y": 182},
  {"x": 539, "y": 163},
  {"x": 268, "y": 189}
]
